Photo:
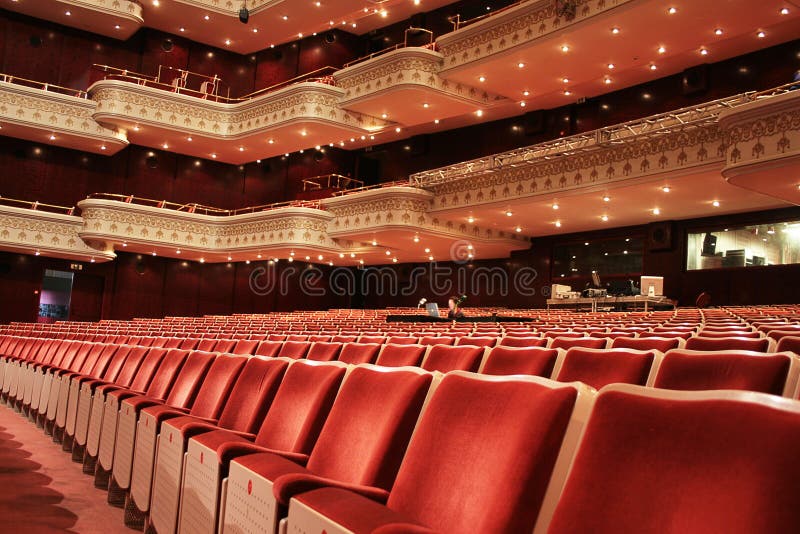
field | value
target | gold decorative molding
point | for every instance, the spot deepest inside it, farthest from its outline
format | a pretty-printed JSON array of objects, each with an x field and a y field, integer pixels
[
  {"x": 118, "y": 19},
  {"x": 517, "y": 26},
  {"x": 603, "y": 163},
  {"x": 411, "y": 67},
  {"x": 36, "y": 113},
  {"x": 127, "y": 102},
  {"x": 51, "y": 234},
  {"x": 120, "y": 222}
]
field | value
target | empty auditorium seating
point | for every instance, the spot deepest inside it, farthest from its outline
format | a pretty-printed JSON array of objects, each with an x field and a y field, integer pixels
[
  {"x": 446, "y": 358},
  {"x": 323, "y": 351},
  {"x": 789, "y": 343},
  {"x": 708, "y": 462},
  {"x": 291, "y": 426},
  {"x": 564, "y": 342},
  {"x": 374, "y": 414},
  {"x": 529, "y": 341},
  {"x": 294, "y": 349},
  {"x": 357, "y": 353},
  {"x": 458, "y": 480},
  {"x": 727, "y": 343},
  {"x": 598, "y": 367},
  {"x": 747, "y": 370},
  {"x": 477, "y": 341},
  {"x": 661, "y": 344},
  {"x": 393, "y": 355}
]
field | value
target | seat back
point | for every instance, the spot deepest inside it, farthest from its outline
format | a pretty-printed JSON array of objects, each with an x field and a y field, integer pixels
[
  {"x": 727, "y": 343},
  {"x": 216, "y": 385},
  {"x": 102, "y": 360},
  {"x": 206, "y": 344},
  {"x": 712, "y": 461},
  {"x": 268, "y": 348},
  {"x": 537, "y": 361},
  {"x": 374, "y": 413},
  {"x": 789, "y": 343},
  {"x": 747, "y": 370},
  {"x": 322, "y": 351},
  {"x": 172, "y": 343},
  {"x": 437, "y": 340},
  {"x": 301, "y": 405},
  {"x": 372, "y": 339},
  {"x": 393, "y": 355},
  {"x": 357, "y": 353},
  {"x": 190, "y": 343},
  {"x": 168, "y": 368},
  {"x": 445, "y": 358},
  {"x": 116, "y": 363},
  {"x": 598, "y": 367},
  {"x": 528, "y": 341},
  {"x": 224, "y": 345},
  {"x": 494, "y": 426},
  {"x": 661, "y": 344},
  {"x": 403, "y": 340},
  {"x": 563, "y": 342},
  {"x": 252, "y": 394},
  {"x": 294, "y": 349},
  {"x": 187, "y": 383},
  {"x": 477, "y": 341},
  {"x": 140, "y": 366},
  {"x": 245, "y": 346}
]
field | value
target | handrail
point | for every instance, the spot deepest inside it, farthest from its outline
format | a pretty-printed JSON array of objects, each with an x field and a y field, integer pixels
[
  {"x": 308, "y": 76},
  {"x": 45, "y": 86},
  {"x": 193, "y": 207},
  {"x": 457, "y": 23},
  {"x": 431, "y": 44},
  {"x": 330, "y": 181},
  {"x": 658, "y": 124},
  {"x": 382, "y": 185},
  {"x": 36, "y": 205}
]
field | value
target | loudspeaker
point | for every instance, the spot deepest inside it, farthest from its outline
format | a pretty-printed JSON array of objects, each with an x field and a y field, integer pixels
[
  {"x": 659, "y": 236},
  {"x": 244, "y": 15},
  {"x": 151, "y": 162},
  {"x": 535, "y": 122},
  {"x": 330, "y": 37},
  {"x": 695, "y": 80}
]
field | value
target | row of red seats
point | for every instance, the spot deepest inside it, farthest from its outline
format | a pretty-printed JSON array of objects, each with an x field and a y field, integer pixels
[{"x": 348, "y": 451}]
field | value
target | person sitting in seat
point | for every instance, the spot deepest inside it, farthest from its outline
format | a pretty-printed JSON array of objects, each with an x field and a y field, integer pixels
[{"x": 453, "y": 307}]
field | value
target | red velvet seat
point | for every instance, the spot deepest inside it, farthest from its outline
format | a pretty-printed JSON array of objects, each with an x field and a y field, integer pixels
[
  {"x": 323, "y": 351},
  {"x": 208, "y": 404},
  {"x": 445, "y": 358},
  {"x": 250, "y": 398},
  {"x": 244, "y": 346},
  {"x": 224, "y": 345},
  {"x": 728, "y": 333},
  {"x": 537, "y": 361},
  {"x": 456, "y": 474},
  {"x": 477, "y": 341},
  {"x": 357, "y": 353},
  {"x": 586, "y": 342},
  {"x": 661, "y": 344},
  {"x": 294, "y": 349},
  {"x": 789, "y": 343},
  {"x": 512, "y": 341},
  {"x": 598, "y": 367},
  {"x": 207, "y": 344},
  {"x": 291, "y": 426},
  {"x": 190, "y": 343},
  {"x": 657, "y": 461},
  {"x": 372, "y": 339},
  {"x": 393, "y": 355},
  {"x": 437, "y": 340},
  {"x": 667, "y": 333},
  {"x": 345, "y": 339},
  {"x": 403, "y": 340},
  {"x": 319, "y": 338},
  {"x": 268, "y": 348},
  {"x": 182, "y": 394},
  {"x": 746, "y": 370},
  {"x": 374, "y": 414},
  {"x": 727, "y": 343}
]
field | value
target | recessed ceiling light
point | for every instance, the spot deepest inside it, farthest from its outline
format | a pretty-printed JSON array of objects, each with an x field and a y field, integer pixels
[
  {"x": 430, "y": 258},
  {"x": 398, "y": 129},
  {"x": 479, "y": 113},
  {"x": 703, "y": 51},
  {"x": 213, "y": 156},
  {"x": 189, "y": 139},
  {"x": 165, "y": 146},
  {"x": 607, "y": 80},
  {"x": 615, "y": 30},
  {"x": 565, "y": 80},
  {"x": 241, "y": 149},
  {"x": 116, "y": 26},
  {"x": 178, "y": 251},
  {"x": 718, "y": 31},
  {"x": 604, "y": 218},
  {"x": 555, "y": 205},
  {"x": 715, "y": 203},
  {"x": 416, "y": 239},
  {"x": 68, "y": 13},
  {"x": 227, "y": 42},
  {"x": 666, "y": 189},
  {"x": 656, "y": 211},
  {"x": 181, "y": 30},
  {"x": 388, "y": 252},
  {"x": 52, "y": 137},
  {"x": 509, "y": 213},
  {"x": 521, "y": 65},
  {"x": 784, "y": 11},
  {"x": 518, "y": 229},
  {"x": 394, "y": 260},
  {"x": 285, "y": 17},
  {"x": 606, "y": 198},
  {"x": 761, "y": 35},
  {"x": 384, "y": 115},
  {"x": 522, "y": 104},
  {"x": 427, "y": 251},
  {"x": 672, "y": 11},
  {"x": 611, "y": 65},
  {"x": 206, "y": 17},
  {"x": 271, "y": 141},
  {"x": 653, "y": 66},
  {"x": 526, "y": 93},
  {"x": 564, "y": 48},
  {"x": 102, "y": 147},
  {"x": 481, "y": 78},
  {"x": 567, "y": 92},
  {"x": 374, "y": 243},
  {"x": 255, "y": 30},
  {"x": 661, "y": 50},
  {"x": 435, "y": 121},
  {"x": 471, "y": 219},
  {"x": 425, "y": 105},
  {"x": 558, "y": 224},
  {"x": 202, "y": 260}
]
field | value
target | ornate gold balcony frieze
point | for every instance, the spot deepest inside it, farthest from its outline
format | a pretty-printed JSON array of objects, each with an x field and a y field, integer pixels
[
  {"x": 119, "y": 222},
  {"x": 40, "y": 114},
  {"x": 411, "y": 68},
  {"x": 516, "y": 26},
  {"x": 52, "y": 234}
]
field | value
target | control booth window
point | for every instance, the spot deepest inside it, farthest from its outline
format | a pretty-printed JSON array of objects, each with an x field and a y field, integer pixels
[
  {"x": 617, "y": 258},
  {"x": 747, "y": 246}
]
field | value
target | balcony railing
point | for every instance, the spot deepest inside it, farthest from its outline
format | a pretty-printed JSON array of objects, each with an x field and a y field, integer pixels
[
  {"x": 193, "y": 207},
  {"x": 203, "y": 86},
  {"x": 36, "y": 205},
  {"x": 457, "y": 23},
  {"x": 654, "y": 125},
  {"x": 431, "y": 45},
  {"x": 331, "y": 181},
  {"x": 44, "y": 86}
]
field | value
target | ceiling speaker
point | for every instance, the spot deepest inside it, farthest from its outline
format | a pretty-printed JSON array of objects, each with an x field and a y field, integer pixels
[
  {"x": 244, "y": 15},
  {"x": 659, "y": 236}
]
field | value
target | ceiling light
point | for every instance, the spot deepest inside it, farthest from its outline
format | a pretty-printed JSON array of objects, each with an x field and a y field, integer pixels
[
  {"x": 153, "y": 253},
  {"x": 206, "y": 17},
  {"x": 124, "y": 244},
  {"x": 213, "y": 156},
  {"x": 715, "y": 203},
  {"x": 352, "y": 255},
  {"x": 555, "y": 205},
  {"x": 116, "y": 26},
  {"x": 394, "y": 260},
  {"x": 567, "y": 92},
  {"x": 481, "y": 78},
  {"x": 285, "y": 17},
  {"x": 384, "y": 115},
  {"x": 258, "y": 256},
  {"x": 241, "y": 149},
  {"x": 607, "y": 80},
  {"x": 165, "y": 146},
  {"x": 518, "y": 229},
  {"x": 416, "y": 239},
  {"x": 68, "y": 13},
  {"x": 388, "y": 252},
  {"x": 397, "y": 130},
  {"x": 202, "y": 260},
  {"x": 661, "y": 50},
  {"x": 656, "y": 211},
  {"x": 471, "y": 219},
  {"x": 522, "y": 104},
  {"x": 479, "y": 113},
  {"x": 469, "y": 247},
  {"x": 189, "y": 139},
  {"x": 102, "y": 147},
  {"x": 136, "y": 128},
  {"x": 427, "y": 251},
  {"x": 784, "y": 11},
  {"x": 653, "y": 66},
  {"x": 178, "y": 251},
  {"x": 672, "y": 11},
  {"x": 718, "y": 31},
  {"x": 37, "y": 253},
  {"x": 183, "y": 29},
  {"x": 290, "y": 259},
  {"x": 610, "y": 66},
  {"x": 565, "y": 80},
  {"x": 229, "y": 258},
  {"x": 425, "y": 105},
  {"x": 52, "y": 137},
  {"x": 666, "y": 189},
  {"x": 271, "y": 141},
  {"x": 319, "y": 257},
  {"x": 606, "y": 198},
  {"x": 374, "y": 243},
  {"x": 430, "y": 258},
  {"x": 558, "y": 224},
  {"x": 604, "y": 218},
  {"x": 564, "y": 48},
  {"x": 761, "y": 35},
  {"x": 521, "y": 65},
  {"x": 615, "y": 31},
  {"x": 509, "y": 213},
  {"x": 526, "y": 93},
  {"x": 703, "y": 52},
  {"x": 255, "y": 30}
]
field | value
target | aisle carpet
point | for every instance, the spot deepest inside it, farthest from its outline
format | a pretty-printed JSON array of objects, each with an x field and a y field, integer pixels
[{"x": 42, "y": 491}]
